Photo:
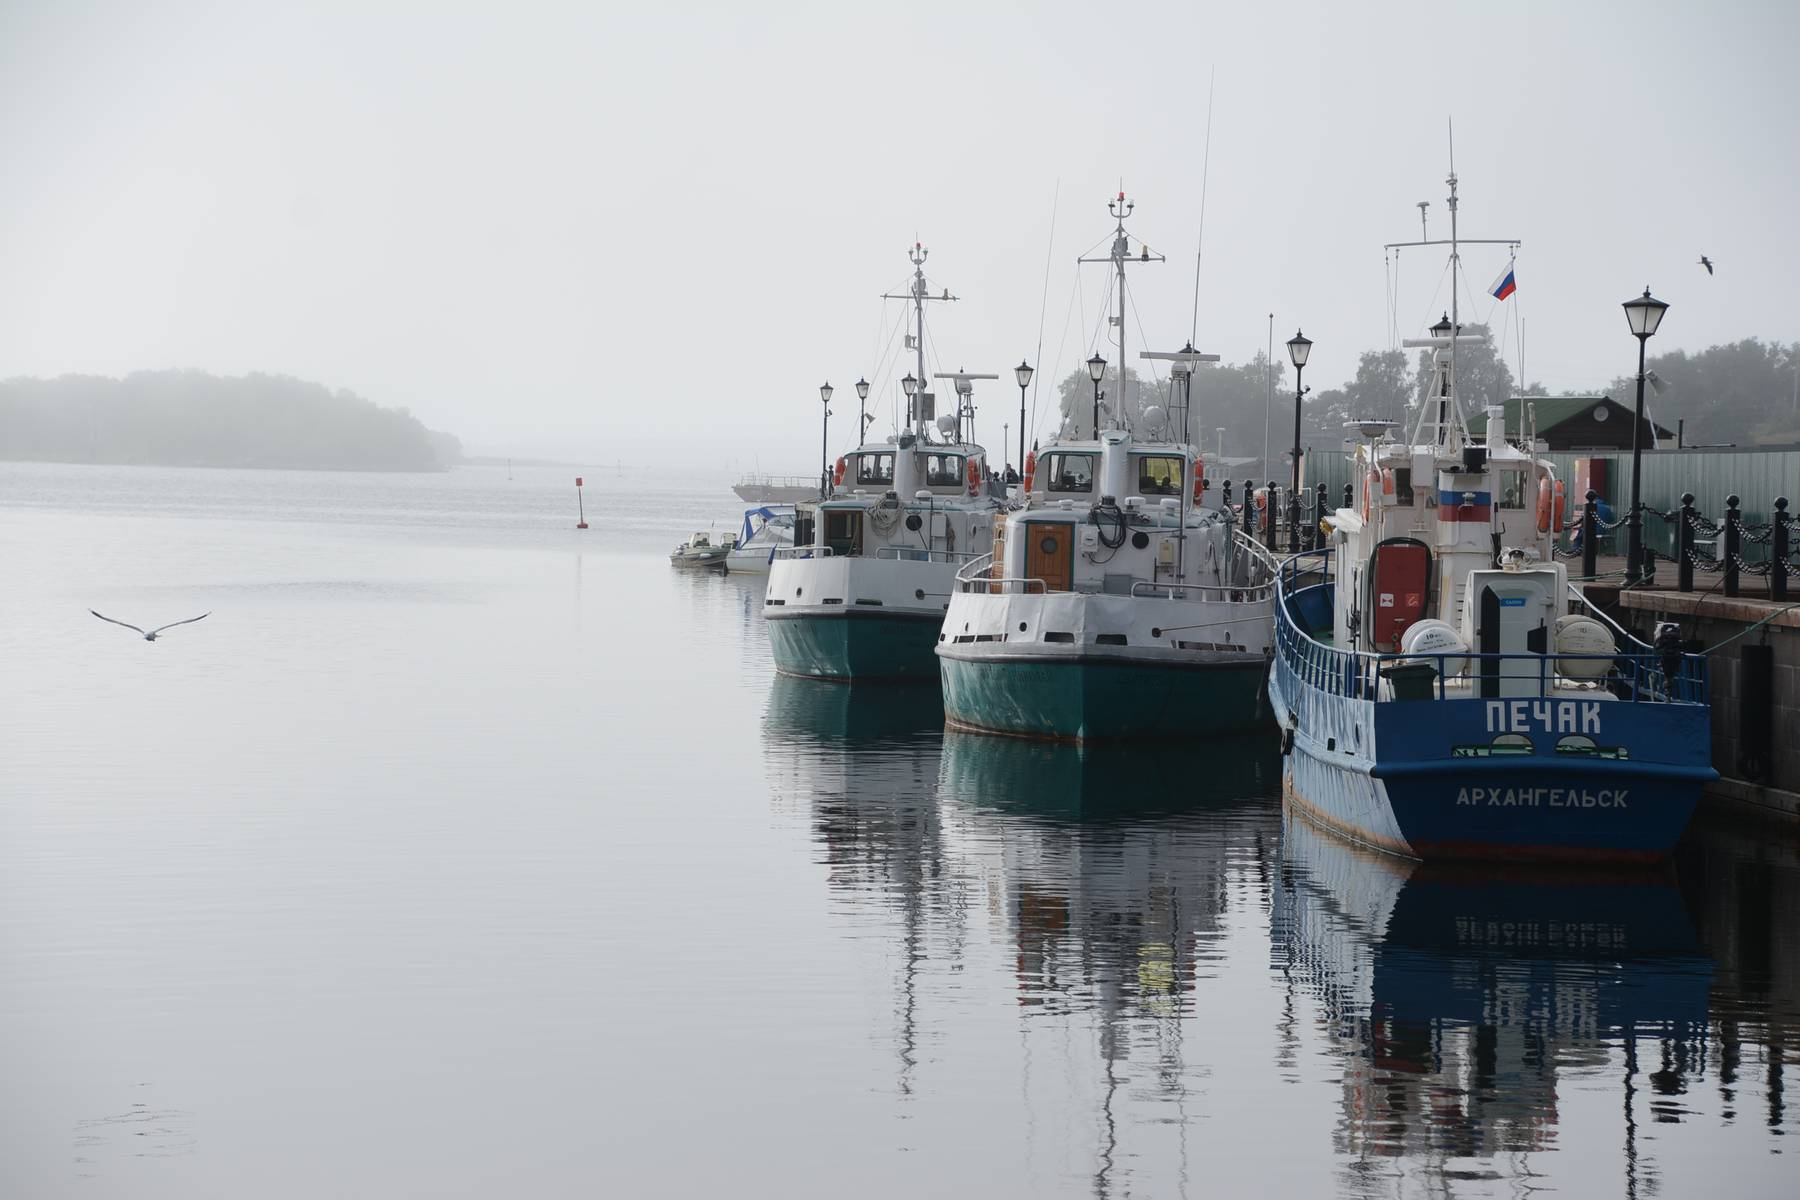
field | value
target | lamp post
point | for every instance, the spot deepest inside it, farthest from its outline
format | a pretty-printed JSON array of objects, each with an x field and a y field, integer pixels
[
  {"x": 1643, "y": 313},
  {"x": 824, "y": 442},
  {"x": 1299, "y": 347},
  {"x": 909, "y": 385},
  {"x": 1022, "y": 373},
  {"x": 1096, "y": 372},
  {"x": 862, "y": 417}
]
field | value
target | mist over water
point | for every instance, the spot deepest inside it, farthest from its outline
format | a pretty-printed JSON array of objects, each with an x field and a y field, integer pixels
[{"x": 461, "y": 853}]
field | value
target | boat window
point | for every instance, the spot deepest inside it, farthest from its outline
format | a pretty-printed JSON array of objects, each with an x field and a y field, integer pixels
[
  {"x": 1512, "y": 489},
  {"x": 943, "y": 470},
  {"x": 1159, "y": 475},
  {"x": 1069, "y": 472},
  {"x": 1403, "y": 489},
  {"x": 875, "y": 468}
]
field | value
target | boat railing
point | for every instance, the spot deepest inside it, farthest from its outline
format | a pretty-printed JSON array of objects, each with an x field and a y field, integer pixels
[
  {"x": 920, "y": 554},
  {"x": 1205, "y": 592},
  {"x": 1635, "y": 672},
  {"x": 974, "y": 577},
  {"x": 782, "y": 481},
  {"x": 786, "y": 552}
]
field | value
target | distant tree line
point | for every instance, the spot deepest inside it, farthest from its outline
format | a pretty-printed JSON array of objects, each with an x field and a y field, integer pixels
[
  {"x": 193, "y": 419},
  {"x": 1744, "y": 393}
]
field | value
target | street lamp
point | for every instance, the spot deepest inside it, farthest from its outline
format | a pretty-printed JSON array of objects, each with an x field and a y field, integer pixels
[
  {"x": 1096, "y": 372},
  {"x": 1299, "y": 347},
  {"x": 862, "y": 419},
  {"x": 825, "y": 440},
  {"x": 1643, "y": 313},
  {"x": 1022, "y": 373}
]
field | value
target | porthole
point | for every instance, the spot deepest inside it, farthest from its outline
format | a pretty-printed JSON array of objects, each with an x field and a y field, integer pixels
[
  {"x": 1021, "y": 627},
  {"x": 918, "y": 593},
  {"x": 1140, "y": 539},
  {"x": 1048, "y": 545}
]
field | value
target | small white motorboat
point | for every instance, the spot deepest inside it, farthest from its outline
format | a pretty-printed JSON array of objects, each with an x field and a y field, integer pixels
[
  {"x": 767, "y": 528},
  {"x": 700, "y": 551}
]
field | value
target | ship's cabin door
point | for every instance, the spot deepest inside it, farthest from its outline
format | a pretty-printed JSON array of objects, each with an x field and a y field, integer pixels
[
  {"x": 844, "y": 531},
  {"x": 1050, "y": 554},
  {"x": 1399, "y": 589}
]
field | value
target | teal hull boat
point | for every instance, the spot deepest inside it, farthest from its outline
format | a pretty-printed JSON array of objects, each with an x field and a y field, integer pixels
[
  {"x": 1091, "y": 698},
  {"x": 855, "y": 644}
]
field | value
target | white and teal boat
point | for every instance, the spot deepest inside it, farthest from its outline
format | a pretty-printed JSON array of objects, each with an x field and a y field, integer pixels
[
  {"x": 862, "y": 592},
  {"x": 1105, "y": 612},
  {"x": 1116, "y": 603}
]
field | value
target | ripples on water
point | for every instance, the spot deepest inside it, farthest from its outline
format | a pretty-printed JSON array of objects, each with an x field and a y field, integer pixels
[{"x": 461, "y": 854}]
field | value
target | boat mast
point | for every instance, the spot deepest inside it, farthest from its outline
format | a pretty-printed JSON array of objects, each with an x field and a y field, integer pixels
[
  {"x": 1121, "y": 252},
  {"x": 918, "y": 293},
  {"x": 1455, "y": 316},
  {"x": 1444, "y": 385}
]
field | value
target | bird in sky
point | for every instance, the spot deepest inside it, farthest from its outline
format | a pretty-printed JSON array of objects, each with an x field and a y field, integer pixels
[
  {"x": 150, "y": 634},
  {"x": 1707, "y": 263}
]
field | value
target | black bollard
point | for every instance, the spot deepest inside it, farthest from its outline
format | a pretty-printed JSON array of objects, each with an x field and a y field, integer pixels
[
  {"x": 1271, "y": 502},
  {"x": 1730, "y": 543},
  {"x": 1225, "y": 494},
  {"x": 1778, "y": 551},
  {"x": 1684, "y": 544},
  {"x": 1590, "y": 527}
]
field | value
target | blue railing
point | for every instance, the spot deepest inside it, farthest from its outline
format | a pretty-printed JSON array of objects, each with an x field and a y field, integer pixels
[{"x": 1635, "y": 672}]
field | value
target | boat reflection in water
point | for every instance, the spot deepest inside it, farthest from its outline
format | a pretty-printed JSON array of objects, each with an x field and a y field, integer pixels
[
  {"x": 1112, "y": 876},
  {"x": 1459, "y": 997},
  {"x": 1156, "y": 986},
  {"x": 1107, "y": 864}
]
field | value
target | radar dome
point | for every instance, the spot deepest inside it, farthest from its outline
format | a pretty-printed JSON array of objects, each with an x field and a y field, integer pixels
[
  {"x": 1576, "y": 634},
  {"x": 1155, "y": 419},
  {"x": 947, "y": 425},
  {"x": 1437, "y": 637}
]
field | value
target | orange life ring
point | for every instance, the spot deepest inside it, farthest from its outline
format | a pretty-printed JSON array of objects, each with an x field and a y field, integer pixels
[
  {"x": 1199, "y": 477},
  {"x": 1387, "y": 485},
  {"x": 1543, "y": 504},
  {"x": 1030, "y": 468},
  {"x": 1371, "y": 482},
  {"x": 974, "y": 477},
  {"x": 838, "y": 475},
  {"x": 1556, "y": 521}
]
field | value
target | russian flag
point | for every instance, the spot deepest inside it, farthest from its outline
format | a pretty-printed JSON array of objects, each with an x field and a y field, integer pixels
[{"x": 1505, "y": 285}]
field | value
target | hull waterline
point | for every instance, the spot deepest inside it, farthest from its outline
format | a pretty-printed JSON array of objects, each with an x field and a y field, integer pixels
[
  {"x": 1090, "y": 698},
  {"x": 855, "y": 644}
]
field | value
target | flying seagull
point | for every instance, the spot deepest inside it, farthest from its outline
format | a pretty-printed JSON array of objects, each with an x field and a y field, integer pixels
[
  {"x": 1707, "y": 263},
  {"x": 150, "y": 634}
]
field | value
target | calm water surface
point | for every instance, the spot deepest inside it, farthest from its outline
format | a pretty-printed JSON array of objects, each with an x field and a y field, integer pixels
[{"x": 462, "y": 854}]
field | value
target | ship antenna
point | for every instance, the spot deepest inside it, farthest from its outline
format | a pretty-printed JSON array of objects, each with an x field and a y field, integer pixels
[
  {"x": 919, "y": 292},
  {"x": 1205, "y": 171},
  {"x": 1120, "y": 208},
  {"x": 1455, "y": 274}
]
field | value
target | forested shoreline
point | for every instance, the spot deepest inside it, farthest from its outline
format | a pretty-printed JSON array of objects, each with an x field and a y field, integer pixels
[{"x": 194, "y": 419}]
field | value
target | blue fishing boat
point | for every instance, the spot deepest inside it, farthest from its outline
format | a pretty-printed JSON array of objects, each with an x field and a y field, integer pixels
[{"x": 1444, "y": 692}]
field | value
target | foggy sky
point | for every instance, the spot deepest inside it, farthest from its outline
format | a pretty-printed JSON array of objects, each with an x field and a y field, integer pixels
[{"x": 599, "y": 231}]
